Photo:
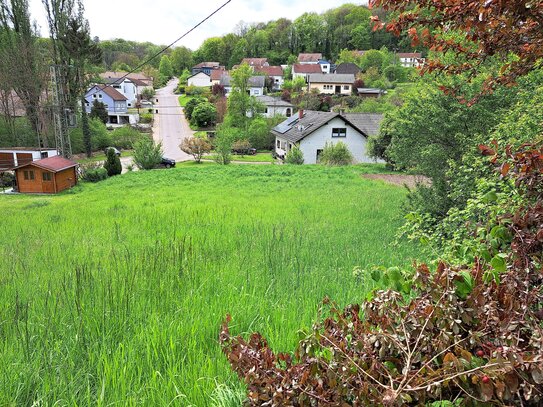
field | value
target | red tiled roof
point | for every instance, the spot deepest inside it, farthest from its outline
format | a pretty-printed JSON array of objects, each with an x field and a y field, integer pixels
[
  {"x": 113, "y": 93},
  {"x": 409, "y": 55},
  {"x": 309, "y": 57},
  {"x": 312, "y": 68},
  {"x": 216, "y": 74},
  {"x": 270, "y": 70},
  {"x": 54, "y": 164},
  {"x": 207, "y": 65},
  {"x": 134, "y": 75},
  {"x": 254, "y": 61}
]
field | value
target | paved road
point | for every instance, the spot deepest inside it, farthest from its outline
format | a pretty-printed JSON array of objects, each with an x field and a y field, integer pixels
[{"x": 170, "y": 126}]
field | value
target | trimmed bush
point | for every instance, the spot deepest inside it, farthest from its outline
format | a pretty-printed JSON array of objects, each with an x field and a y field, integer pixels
[
  {"x": 93, "y": 172},
  {"x": 294, "y": 156},
  {"x": 113, "y": 163},
  {"x": 147, "y": 154},
  {"x": 336, "y": 154}
]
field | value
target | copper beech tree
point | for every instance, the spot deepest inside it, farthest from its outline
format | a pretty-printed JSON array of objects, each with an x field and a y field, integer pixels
[{"x": 509, "y": 30}]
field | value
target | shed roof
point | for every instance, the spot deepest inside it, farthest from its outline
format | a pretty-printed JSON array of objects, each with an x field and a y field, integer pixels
[
  {"x": 332, "y": 78},
  {"x": 53, "y": 164}
]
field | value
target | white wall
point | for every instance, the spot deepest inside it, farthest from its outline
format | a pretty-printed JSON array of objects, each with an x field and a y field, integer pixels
[
  {"x": 273, "y": 111},
  {"x": 355, "y": 141},
  {"x": 200, "y": 80}
]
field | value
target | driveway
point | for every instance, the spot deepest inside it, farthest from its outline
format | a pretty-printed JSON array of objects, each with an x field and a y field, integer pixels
[{"x": 170, "y": 125}]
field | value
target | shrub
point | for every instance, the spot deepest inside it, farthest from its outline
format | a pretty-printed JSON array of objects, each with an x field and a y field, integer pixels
[
  {"x": 92, "y": 172},
  {"x": 99, "y": 111},
  {"x": 125, "y": 137},
  {"x": 196, "y": 91},
  {"x": 7, "y": 179},
  {"x": 146, "y": 118},
  {"x": 148, "y": 93},
  {"x": 294, "y": 156},
  {"x": 336, "y": 154},
  {"x": 224, "y": 138},
  {"x": 204, "y": 115},
  {"x": 113, "y": 163},
  {"x": 196, "y": 147},
  {"x": 147, "y": 154},
  {"x": 259, "y": 134},
  {"x": 191, "y": 105},
  {"x": 468, "y": 335}
]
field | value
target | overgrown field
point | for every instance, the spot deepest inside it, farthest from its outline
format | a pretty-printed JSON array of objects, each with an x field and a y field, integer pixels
[{"x": 112, "y": 294}]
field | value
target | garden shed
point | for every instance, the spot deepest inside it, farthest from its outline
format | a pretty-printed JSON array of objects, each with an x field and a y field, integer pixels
[{"x": 48, "y": 176}]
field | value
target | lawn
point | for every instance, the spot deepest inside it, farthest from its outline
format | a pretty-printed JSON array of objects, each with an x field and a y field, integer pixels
[
  {"x": 100, "y": 156},
  {"x": 184, "y": 99},
  {"x": 113, "y": 293},
  {"x": 258, "y": 157}
]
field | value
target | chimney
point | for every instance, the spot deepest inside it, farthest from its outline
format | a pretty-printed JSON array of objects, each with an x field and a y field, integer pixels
[{"x": 300, "y": 114}]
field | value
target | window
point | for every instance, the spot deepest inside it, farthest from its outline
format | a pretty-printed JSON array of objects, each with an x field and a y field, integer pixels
[
  {"x": 44, "y": 154},
  {"x": 328, "y": 87},
  {"x": 278, "y": 144},
  {"x": 29, "y": 175},
  {"x": 87, "y": 104},
  {"x": 346, "y": 87},
  {"x": 339, "y": 132},
  {"x": 94, "y": 96},
  {"x": 100, "y": 96},
  {"x": 47, "y": 176},
  {"x": 257, "y": 92},
  {"x": 130, "y": 105},
  {"x": 266, "y": 111}
]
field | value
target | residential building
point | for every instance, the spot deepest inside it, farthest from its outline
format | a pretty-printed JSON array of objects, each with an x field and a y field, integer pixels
[
  {"x": 140, "y": 77},
  {"x": 126, "y": 87},
  {"x": 371, "y": 92},
  {"x": 338, "y": 84},
  {"x": 17, "y": 156},
  {"x": 325, "y": 66},
  {"x": 410, "y": 59},
  {"x": 275, "y": 73},
  {"x": 201, "y": 80},
  {"x": 310, "y": 131},
  {"x": 305, "y": 59},
  {"x": 216, "y": 76},
  {"x": 47, "y": 176},
  {"x": 255, "y": 62},
  {"x": 114, "y": 101},
  {"x": 347, "y": 68},
  {"x": 274, "y": 106},
  {"x": 206, "y": 67},
  {"x": 304, "y": 70},
  {"x": 255, "y": 85}
]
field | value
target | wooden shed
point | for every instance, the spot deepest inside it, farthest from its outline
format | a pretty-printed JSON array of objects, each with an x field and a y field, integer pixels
[{"x": 48, "y": 176}]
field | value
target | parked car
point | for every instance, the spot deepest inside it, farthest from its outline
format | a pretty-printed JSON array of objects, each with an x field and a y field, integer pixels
[
  {"x": 244, "y": 151},
  {"x": 117, "y": 152},
  {"x": 167, "y": 162}
]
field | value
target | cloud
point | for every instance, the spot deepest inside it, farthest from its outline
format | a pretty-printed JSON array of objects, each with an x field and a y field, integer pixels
[{"x": 163, "y": 21}]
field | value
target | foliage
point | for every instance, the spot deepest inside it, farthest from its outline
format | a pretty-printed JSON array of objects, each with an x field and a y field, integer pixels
[
  {"x": 147, "y": 154},
  {"x": 191, "y": 105},
  {"x": 181, "y": 59},
  {"x": 372, "y": 59},
  {"x": 259, "y": 134},
  {"x": 7, "y": 179},
  {"x": 165, "y": 70},
  {"x": 336, "y": 154},
  {"x": 461, "y": 333},
  {"x": 100, "y": 137},
  {"x": 294, "y": 156},
  {"x": 125, "y": 137},
  {"x": 93, "y": 172},
  {"x": 224, "y": 139},
  {"x": 113, "y": 163},
  {"x": 218, "y": 90},
  {"x": 482, "y": 32},
  {"x": 148, "y": 93},
  {"x": 146, "y": 118},
  {"x": 204, "y": 115},
  {"x": 196, "y": 147},
  {"x": 239, "y": 101},
  {"x": 99, "y": 111}
]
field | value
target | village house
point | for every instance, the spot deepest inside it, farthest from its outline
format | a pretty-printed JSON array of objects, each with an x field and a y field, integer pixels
[
  {"x": 201, "y": 80},
  {"x": 410, "y": 59},
  {"x": 275, "y": 73},
  {"x": 310, "y": 131},
  {"x": 126, "y": 87},
  {"x": 338, "y": 84},
  {"x": 315, "y": 59},
  {"x": 115, "y": 103},
  {"x": 371, "y": 92},
  {"x": 274, "y": 106},
  {"x": 255, "y": 85},
  {"x": 11, "y": 158},
  {"x": 216, "y": 76},
  {"x": 47, "y": 176},
  {"x": 255, "y": 62},
  {"x": 140, "y": 80},
  {"x": 303, "y": 71},
  {"x": 206, "y": 67},
  {"x": 347, "y": 68}
]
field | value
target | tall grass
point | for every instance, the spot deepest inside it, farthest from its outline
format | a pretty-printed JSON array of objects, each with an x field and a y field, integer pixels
[{"x": 113, "y": 293}]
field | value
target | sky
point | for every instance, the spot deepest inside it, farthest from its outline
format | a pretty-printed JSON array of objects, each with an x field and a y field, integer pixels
[{"x": 163, "y": 21}]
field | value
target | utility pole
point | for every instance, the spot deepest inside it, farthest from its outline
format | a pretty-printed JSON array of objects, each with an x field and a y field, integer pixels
[{"x": 60, "y": 112}]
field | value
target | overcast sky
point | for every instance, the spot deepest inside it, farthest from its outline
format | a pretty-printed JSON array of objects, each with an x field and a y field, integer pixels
[{"x": 163, "y": 21}]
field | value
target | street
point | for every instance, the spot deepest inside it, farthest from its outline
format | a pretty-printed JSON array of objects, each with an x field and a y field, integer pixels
[{"x": 170, "y": 126}]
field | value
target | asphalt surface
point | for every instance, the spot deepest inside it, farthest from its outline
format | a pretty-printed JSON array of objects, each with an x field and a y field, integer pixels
[{"x": 170, "y": 125}]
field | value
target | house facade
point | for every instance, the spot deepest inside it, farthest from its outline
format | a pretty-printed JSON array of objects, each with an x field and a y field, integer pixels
[
  {"x": 332, "y": 84},
  {"x": 304, "y": 70},
  {"x": 275, "y": 73},
  {"x": 47, "y": 176},
  {"x": 201, "y": 80},
  {"x": 255, "y": 85},
  {"x": 255, "y": 62},
  {"x": 125, "y": 87},
  {"x": 206, "y": 67},
  {"x": 410, "y": 59},
  {"x": 115, "y": 102},
  {"x": 310, "y": 131},
  {"x": 11, "y": 158},
  {"x": 274, "y": 106}
]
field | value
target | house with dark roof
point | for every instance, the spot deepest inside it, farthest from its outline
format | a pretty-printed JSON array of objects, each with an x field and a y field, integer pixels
[
  {"x": 115, "y": 102},
  {"x": 47, "y": 176},
  {"x": 255, "y": 85},
  {"x": 347, "y": 68},
  {"x": 216, "y": 76},
  {"x": 126, "y": 87},
  {"x": 332, "y": 84},
  {"x": 275, "y": 73},
  {"x": 206, "y": 67},
  {"x": 274, "y": 106},
  {"x": 311, "y": 130}
]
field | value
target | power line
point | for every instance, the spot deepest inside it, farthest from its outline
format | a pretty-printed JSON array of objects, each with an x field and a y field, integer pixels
[{"x": 165, "y": 48}]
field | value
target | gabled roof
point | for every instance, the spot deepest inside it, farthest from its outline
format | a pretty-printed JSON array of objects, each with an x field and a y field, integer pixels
[
  {"x": 254, "y": 81},
  {"x": 134, "y": 75},
  {"x": 199, "y": 73},
  {"x": 307, "y": 69},
  {"x": 347, "y": 67},
  {"x": 255, "y": 61},
  {"x": 273, "y": 101},
  {"x": 108, "y": 90},
  {"x": 332, "y": 78},
  {"x": 207, "y": 65},
  {"x": 53, "y": 164},
  {"x": 295, "y": 129},
  {"x": 270, "y": 70},
  {"x": 217, "y": 74},
  {"x": 310, "y": 57},
  {"x": 409, "y": 55}
]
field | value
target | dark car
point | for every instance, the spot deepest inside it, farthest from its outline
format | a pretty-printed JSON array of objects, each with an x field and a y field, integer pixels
[
  {"x": 167, "y": 162},
  {"x": 117, "y": 152},
  {"x": 244, "y": 151}
]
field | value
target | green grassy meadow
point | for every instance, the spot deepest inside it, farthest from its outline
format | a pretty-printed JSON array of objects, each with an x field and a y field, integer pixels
[{"x": 113, "y": 293}]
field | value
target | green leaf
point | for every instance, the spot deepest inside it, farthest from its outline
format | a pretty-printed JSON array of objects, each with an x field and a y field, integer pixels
[{"x": 499, "y": 264}]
